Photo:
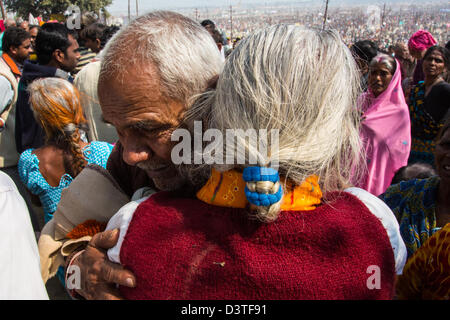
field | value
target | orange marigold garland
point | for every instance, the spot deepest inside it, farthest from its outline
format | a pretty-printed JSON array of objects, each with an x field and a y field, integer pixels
[{"x": 87, "y": 228}]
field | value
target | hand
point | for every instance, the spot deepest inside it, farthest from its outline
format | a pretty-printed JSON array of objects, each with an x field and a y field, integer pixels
[{"x": 99, "y": 276}]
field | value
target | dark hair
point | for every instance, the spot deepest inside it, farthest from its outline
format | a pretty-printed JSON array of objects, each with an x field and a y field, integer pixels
[
  {"x": 447, "y": 45},
  {"x": 216, "y": 36},
  {"x": 99, "y": 31},
  {"x": 208, "y": 23},
  {"x": 107, "y": 35},
  {"x": 364, "y": 50},
  {"x": 52, "y": 36},
  {"x": 445, "y": 54},
  {"x": 14, "y": 37},
  {"x": 33, "y": 26},
  {"x": 413, "y": 171},
  {"x": 93, "y": 31}
]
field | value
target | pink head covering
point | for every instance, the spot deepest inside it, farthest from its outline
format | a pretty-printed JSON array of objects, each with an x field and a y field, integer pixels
[
  {"x": 386, "y": 134},
  {"x": 421, "y": 40},
  {"x": 2, "y": 26}
]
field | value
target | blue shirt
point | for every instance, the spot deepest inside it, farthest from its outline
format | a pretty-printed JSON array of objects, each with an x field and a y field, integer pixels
[{"x": 96, "y": 152}]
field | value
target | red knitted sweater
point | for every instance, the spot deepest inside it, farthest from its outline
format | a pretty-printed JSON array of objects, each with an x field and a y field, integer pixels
[{"x": 186, "y": 249}]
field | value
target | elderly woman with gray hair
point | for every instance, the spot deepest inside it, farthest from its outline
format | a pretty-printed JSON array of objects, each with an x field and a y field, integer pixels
[
  {"x": 288, "y": 226},
  {"x": 385, "y": 127}
]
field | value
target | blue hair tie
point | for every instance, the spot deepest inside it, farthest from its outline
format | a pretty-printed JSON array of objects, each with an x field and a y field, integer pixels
[
  {"x": 260, "y": 174},
  {"x": 254, "y": 174}
]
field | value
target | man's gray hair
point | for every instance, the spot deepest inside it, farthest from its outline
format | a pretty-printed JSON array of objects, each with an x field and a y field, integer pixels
[{"x": 181, "y": 50}]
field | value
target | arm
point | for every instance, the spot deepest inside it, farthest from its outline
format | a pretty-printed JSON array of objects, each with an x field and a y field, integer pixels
[{"x": 29, "y": 175}]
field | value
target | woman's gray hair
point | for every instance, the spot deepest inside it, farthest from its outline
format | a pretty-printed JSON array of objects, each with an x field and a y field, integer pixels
[
  {"x": 182, "y": 51},
  {"x": 303, "y": 83},
  {"x": 386, "y": 60},
  {"x": 56, "y": 88}
]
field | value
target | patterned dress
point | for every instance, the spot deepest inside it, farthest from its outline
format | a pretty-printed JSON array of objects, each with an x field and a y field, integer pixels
[
  {"x": 96, "y": 152},
  {"x": 414, "y": 203},
  {"x": 424, "y": 128},
  {"x": 427, "y": 274}
]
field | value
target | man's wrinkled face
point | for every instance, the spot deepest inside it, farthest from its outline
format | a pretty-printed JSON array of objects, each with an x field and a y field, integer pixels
[{"x": 144, "y": 119}]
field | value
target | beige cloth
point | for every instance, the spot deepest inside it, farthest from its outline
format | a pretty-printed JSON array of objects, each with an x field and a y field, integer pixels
[
  {"x": 8, "y": 153},
  {"x": 93, "y": 194},
  {"x": 86, "y": 82}
]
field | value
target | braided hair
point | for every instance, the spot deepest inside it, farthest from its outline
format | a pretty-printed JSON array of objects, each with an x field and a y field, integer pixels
[
  {"x": 265, "y": 196},
  {"x": 56, "y": 106}
]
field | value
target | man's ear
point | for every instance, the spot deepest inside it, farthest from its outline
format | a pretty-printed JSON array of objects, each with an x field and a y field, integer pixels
[
  {"x": 59, "y": 56},
  {"x": 13, "y": 50},
  {"x": 98, "y": 43}
]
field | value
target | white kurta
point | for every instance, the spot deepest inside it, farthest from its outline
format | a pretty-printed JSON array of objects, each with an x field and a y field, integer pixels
[{"x": 20, "y": 276}]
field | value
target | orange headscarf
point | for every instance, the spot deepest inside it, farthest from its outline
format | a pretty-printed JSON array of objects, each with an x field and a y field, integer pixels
[{"x": 226, "y": 189}]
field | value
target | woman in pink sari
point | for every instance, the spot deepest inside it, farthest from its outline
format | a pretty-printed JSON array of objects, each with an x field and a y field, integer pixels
[{"x": 385, "y": 127}]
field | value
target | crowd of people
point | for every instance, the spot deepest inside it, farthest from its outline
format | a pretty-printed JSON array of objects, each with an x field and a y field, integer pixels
[
  {"x": 351, "y": 202},
  {"x": 385, "y": 24}
]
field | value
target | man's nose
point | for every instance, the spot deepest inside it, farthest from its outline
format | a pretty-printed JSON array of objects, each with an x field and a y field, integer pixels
[{"x": 133, "y": 152}]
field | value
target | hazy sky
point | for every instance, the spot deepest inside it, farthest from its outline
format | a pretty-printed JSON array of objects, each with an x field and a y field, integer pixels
[{"x": 147, "y": 5}]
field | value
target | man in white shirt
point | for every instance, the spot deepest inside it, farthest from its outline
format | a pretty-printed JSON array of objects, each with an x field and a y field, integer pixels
[{"x": 20, "y": 276}]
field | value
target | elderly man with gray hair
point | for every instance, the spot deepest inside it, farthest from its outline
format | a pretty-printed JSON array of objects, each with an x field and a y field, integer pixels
[{"x": 151, "y": 72}]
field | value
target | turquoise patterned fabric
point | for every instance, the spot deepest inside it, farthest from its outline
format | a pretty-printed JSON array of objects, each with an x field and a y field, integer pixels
[
  {"x": 413, "y": 203},
  {"x": 96, "y": 152}
]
